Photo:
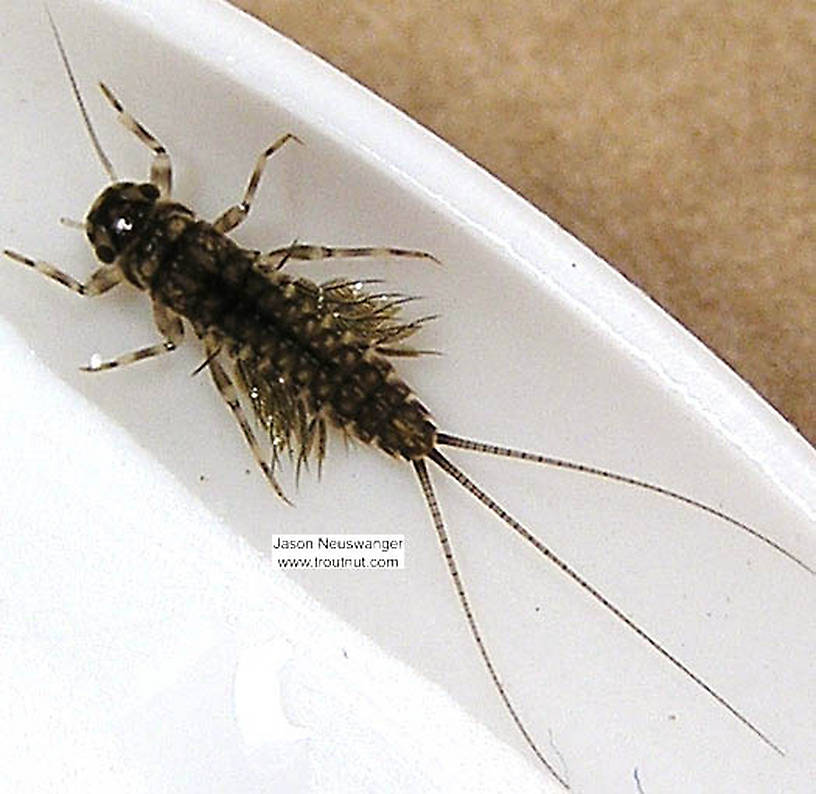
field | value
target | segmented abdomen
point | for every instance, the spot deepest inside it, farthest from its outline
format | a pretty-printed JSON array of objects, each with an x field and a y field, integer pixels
[{"x": 294, "y": 341}]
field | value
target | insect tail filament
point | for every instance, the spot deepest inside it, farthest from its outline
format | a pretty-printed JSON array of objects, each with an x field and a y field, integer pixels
[
  {"x": 472, "y": 488},
  {"x": 439, "y": 524},
  {"x": 446, "y": 439}
]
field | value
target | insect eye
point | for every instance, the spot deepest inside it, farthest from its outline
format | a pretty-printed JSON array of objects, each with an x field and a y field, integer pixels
[
  {"x": 106, "y": 254},
  {"x": 149, "y": 191}
]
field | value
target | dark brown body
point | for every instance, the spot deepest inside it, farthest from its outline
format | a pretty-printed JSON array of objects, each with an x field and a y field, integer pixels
[{"x": 278, "y": 327}]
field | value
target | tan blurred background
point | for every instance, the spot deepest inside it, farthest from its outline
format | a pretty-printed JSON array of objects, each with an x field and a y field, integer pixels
[{"x": 675, "y": 139}]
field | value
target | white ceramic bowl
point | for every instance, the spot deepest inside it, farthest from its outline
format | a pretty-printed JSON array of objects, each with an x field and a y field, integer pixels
[{"x": 147, "y": 642}]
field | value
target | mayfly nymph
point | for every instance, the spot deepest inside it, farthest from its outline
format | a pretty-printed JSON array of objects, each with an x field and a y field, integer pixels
[{"x": 305, "y": 356}]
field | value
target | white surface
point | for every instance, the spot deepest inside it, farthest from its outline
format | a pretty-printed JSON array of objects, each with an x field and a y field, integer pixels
[
  {"x": 148, "y": 654},
  {"x": 129, "y": 608}
]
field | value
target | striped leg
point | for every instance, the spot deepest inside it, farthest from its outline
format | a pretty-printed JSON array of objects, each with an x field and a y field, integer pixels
[
  {"x": 170, "y": 327},
  {"x": 227, "y": 390},
  {"x": 275, "y": 260},
  {"x": 101, "y": 280},
  {"x": 161, "y": 170},
  {"x": 234, "y": 215}
]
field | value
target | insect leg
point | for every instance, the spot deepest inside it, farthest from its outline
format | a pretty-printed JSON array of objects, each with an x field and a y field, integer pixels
[
  {"x": 235, "y": 214},
  {"x": 161, "y": 170},
  {"x": 274, "y": 260},
  {"x": 439, "y": 524},
  {"x": 227, "y": 390},
  {"x": 170, "y": 327},
  {"x": 101, "y": 280}
]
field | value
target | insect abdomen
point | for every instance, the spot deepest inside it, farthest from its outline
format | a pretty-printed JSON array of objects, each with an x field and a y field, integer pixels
[{"x": 281, "y": 330}]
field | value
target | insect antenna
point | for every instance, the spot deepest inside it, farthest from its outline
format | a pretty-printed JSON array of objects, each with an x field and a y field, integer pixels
[
  {"x": 472, "y": 488},
  {"x": 446, "y": 439},
  {"x": 439, "y": 524},
  {"x": 103, "y": 158}
]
